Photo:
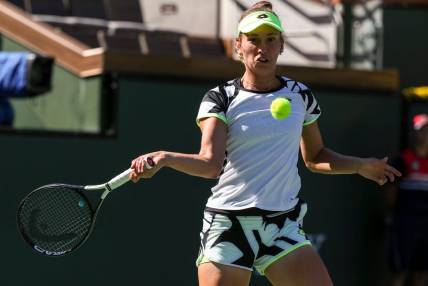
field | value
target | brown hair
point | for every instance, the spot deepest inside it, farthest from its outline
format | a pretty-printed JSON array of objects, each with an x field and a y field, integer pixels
[{"x": 259, "y": 6}]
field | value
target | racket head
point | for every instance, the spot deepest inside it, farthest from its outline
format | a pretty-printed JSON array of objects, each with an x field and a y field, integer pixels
[{"x": 55, "y": 219}]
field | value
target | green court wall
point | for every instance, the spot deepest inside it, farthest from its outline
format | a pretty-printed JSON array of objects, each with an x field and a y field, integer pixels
[{"x": 148, "y": 233}]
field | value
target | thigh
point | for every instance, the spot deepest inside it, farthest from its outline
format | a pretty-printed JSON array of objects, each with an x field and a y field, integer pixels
[
  {"x": 215, "y": 274},
  {"x": 224, "y": 241},
  {"x": 302, "y": 267}
]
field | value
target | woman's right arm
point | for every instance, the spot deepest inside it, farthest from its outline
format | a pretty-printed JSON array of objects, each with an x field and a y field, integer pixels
[{"x": 208, "y": 163}]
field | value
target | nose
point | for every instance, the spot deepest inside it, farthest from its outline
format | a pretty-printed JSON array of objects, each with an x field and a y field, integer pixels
[{"x": 262, "y": 47}]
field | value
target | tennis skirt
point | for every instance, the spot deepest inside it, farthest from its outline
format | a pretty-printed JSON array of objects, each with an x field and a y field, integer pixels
[{"x": 251, "y": 238}]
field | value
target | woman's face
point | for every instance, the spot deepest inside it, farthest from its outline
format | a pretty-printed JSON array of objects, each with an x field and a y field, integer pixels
[{"x": 259, "y": 49}]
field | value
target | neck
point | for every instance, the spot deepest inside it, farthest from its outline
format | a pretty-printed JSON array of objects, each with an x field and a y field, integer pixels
[{"x": 260, "y": 82}]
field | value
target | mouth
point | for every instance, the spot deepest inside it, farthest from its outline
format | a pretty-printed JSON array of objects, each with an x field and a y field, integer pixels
[{"x": 262, "y": 60}]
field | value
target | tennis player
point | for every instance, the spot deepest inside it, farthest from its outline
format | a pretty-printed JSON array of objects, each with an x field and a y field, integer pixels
[{"x": 253, "y": 219}]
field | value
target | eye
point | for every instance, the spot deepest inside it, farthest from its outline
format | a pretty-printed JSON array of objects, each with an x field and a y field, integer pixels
[{"x": 253, "y": 40}]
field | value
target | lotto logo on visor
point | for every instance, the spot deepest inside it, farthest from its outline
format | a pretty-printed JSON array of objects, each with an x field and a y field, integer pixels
[{"x": 256, "y": 19}]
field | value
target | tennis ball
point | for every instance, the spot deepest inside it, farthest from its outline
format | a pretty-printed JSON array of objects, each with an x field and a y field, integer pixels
[{"x": 280, "y": 108}]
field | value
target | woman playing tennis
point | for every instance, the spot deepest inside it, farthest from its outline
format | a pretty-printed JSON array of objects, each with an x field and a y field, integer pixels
[{"x": 253, "y": 219}]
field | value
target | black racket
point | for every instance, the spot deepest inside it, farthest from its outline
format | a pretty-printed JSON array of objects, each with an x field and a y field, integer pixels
[{"x": 56, "y": 219}]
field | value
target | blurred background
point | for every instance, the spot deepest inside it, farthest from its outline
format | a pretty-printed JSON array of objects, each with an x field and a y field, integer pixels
[{"x": 87, "y": 85}]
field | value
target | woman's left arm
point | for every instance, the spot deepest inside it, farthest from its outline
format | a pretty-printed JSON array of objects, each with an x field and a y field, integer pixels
[{"x": 320, "y": 159}]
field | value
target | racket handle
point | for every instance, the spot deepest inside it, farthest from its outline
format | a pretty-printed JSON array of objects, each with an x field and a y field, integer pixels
[
  {"x": 123, "y": 177},
  {"x": 120, "y": 179}
]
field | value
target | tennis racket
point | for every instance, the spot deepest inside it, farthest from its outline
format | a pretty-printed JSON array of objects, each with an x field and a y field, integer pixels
[{"x": 57, "y": 219}]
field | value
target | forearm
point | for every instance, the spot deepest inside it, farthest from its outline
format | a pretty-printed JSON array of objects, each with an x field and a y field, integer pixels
[
  {"x": 208, "y": 163},
  {"x": 329, "y": 162},
  {"x": 200, "y": 165},
  {"x": 323, "y": 160}
]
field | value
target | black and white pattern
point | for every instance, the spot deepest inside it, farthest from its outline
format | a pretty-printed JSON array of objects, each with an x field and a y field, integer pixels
[
  {"x": 251, "y": 241},
  {"x": 216, "y": 101},
  {"x": 262, "y": 152}
]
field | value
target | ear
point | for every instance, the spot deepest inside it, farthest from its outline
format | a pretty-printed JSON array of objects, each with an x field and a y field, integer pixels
[{"x": 238, "y": 46}]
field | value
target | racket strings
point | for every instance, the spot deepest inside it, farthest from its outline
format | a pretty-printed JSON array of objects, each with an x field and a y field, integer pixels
[
  {"x": 62, "y": 215},
  {"x": 56, "y": 218}
]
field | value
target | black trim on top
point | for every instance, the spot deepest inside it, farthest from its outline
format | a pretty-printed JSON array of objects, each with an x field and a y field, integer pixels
[{"x": 238, "y": 85}]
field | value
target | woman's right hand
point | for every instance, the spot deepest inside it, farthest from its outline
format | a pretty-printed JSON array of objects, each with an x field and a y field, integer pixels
[{"x": 140, "y": 166}]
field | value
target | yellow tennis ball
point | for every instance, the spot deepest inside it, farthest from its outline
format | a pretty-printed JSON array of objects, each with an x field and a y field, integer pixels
[{"x": 280, "y": 108}]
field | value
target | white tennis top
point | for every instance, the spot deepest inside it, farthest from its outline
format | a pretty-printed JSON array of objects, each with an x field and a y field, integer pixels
[{"x": 261, "y": 153}]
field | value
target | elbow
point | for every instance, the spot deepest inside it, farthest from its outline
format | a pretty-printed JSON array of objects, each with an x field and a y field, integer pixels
[
  {"x": 214, "y": 171},
  {"x": 316, "y": 163},
  {"x": 213, "y": 165},
  {"x": 320, "y": 167},
  {"x": 311, "y": 166}
]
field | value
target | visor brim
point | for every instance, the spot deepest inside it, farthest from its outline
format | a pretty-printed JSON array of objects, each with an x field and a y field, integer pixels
[{"x": 252, "y": 26}]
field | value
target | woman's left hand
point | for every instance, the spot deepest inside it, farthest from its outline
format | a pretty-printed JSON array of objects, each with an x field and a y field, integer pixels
[{"x": 378, "y": 170}]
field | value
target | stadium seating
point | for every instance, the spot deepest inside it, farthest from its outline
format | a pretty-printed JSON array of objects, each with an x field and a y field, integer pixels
[
  {"x": 164, "y": 43},
  {"x": 88, "y": 9},
  {"x": 87, "y": 34},
  {"x": 202, "y": 47},
  {"x": 117, "y": 26},
  {"x": 18, "y": 3},
  {"x": 47, "y": 7},
  {"x": 123, "y": 40},
  {"x": 119, "y": 10}
]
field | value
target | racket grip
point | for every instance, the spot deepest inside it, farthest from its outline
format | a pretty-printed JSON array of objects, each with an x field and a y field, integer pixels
[
  {"x": 120, "y": 179},
  {"x": 123, "y": 177}
]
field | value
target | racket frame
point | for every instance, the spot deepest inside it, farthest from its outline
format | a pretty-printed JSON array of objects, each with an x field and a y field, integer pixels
[
  {"x": 108, "y": 187},
  {"x": 74, "y": 188}
]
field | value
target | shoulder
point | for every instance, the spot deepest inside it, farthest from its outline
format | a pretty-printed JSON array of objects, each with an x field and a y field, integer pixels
[
  {"x": 305, "y": 93},
  {"x": 223, "y": 93},
  {"x": 293, "y": 85},
  {"x": 227, "y": 88}
]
